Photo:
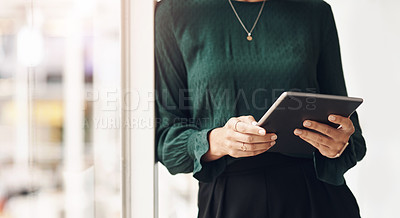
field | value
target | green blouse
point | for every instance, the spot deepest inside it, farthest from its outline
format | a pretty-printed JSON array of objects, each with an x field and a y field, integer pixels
[{"x": 207, "y": 72}]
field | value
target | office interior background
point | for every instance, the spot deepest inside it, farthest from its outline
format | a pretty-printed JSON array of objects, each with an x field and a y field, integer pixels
[{"x": 60, "y": 117}]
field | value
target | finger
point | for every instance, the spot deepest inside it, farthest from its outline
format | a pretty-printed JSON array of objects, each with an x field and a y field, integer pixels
[
  {"x": 324, "y": 150},
  {"x": 232, "y": 122},
  {"x": 322, "y": 128},
  {"x": 254, "y": 146},
  {"x": 344, "y": 122},
  {"x": 248, "y": 128},
  {"x": 332, "y": 145},
  {"x": 316, "y": 137},
  {"x": 247, "y": 153},
  {"x": 249, "y": 138},
  {"x": 313, "y": 143},
  {"x": 247, "y": 119}
]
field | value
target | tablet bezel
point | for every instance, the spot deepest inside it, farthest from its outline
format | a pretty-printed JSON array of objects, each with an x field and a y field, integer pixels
[{"x": 307, "y": 95}]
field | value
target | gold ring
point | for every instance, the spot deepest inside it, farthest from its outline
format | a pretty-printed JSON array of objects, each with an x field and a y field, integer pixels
[
  {"x": 234, "y": 127},
  {"x": 244, "y": 148},
  {"x": 337, "y": 155},
  {"x": 341, "y": 151}
]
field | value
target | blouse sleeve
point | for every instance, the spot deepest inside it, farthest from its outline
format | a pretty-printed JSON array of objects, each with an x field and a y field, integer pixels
[
  {"x": 180, "y": 142},
  {"x": 331, "y": 81}
]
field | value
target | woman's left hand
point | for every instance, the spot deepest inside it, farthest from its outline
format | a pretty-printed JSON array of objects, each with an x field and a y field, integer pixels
[{"x": 330, "y": 141}]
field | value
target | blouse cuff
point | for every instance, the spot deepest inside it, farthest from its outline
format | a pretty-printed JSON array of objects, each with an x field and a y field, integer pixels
[
  {"x": 198, "y": 145},
  {"x": 332, "y": 171}
]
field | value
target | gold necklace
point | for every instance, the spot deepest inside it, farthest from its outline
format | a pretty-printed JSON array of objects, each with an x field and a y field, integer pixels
[{"x": 249, "y": 37}]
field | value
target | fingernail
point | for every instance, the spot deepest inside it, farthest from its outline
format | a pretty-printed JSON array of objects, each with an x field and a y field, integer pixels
[
  {"x": 261, "y": 131},
  {"x": 273, "y": 143},
  {"x": 307, "y": 123},
  {"x": 274, "y": 137},
  {"x": 254, "y": 123},
  {"x": 332, "y": 118},
  {"x": 298, "y": 132}
]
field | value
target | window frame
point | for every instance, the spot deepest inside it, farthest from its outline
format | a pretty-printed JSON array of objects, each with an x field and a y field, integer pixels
[{"x": 138, "y": 164}]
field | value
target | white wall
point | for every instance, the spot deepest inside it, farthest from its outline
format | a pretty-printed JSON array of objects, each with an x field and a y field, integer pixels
[{"x": 369, "y": 32}]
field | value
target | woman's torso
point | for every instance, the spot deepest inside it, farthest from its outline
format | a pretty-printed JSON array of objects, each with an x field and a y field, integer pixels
[{"x": 229, "y": 76}]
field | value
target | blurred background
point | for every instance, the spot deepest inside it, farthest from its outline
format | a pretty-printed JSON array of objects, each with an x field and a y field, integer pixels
[
  {"x": 59, "y": 116},
  {"x": 60, "y": 136}
]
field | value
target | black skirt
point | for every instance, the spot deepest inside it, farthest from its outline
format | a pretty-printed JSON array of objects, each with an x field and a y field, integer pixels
[{"x": 272, "y": 185}]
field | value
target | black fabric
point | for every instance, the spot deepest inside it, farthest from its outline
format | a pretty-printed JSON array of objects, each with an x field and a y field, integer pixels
[{"x": 272, "y": 185}]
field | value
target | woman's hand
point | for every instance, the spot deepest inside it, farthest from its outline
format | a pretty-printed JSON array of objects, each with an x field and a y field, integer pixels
[
  {"x": 329, "y": 141},
  {"x": 240, "y": 137}
]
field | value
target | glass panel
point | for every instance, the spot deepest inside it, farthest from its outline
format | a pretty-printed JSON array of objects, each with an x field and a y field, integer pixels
[{"x": 59, "y": 113}]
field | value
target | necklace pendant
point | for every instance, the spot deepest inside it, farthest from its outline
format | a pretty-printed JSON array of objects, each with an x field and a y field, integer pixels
[{"x": 249, "y": 38}]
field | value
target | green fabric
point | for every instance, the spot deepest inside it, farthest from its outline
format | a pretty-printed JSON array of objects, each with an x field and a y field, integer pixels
[{"x": 207, "y": 72}]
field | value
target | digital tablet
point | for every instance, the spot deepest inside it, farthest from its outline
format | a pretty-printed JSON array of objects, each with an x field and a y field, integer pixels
[{"x": 290, "y": 110}]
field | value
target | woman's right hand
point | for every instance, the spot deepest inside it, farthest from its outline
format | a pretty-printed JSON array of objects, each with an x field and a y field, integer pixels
[{"x": 240, "y": 137}]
